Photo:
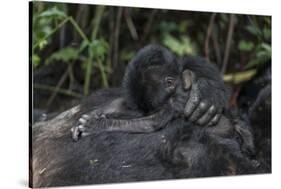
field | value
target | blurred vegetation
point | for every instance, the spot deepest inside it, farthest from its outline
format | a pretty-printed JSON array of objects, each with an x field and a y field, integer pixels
[{"x": 79, "y": 48}]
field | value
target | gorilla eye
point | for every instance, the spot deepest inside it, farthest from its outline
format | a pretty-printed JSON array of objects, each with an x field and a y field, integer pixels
[{"x": 169, "y": 81}]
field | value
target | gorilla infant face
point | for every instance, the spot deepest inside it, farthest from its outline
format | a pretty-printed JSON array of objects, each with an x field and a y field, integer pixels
[{"x": 158, "y": 84}]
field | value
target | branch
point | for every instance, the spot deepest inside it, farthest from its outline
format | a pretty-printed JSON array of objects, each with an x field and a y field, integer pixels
[
  {"x": 208, "y": 35},
  {"x": 96, "y": 24},
  {"x": 148, "y": 25},
  {"x": 131, "y": 25},
  {"x": 116, "y": 37},
  {"x": 239, "y": 77},
  {"x": 217, "y": 48},
  {"x": 228, "y": 43},
  {"x": 58, "y": 86},
  {"x": 52, "y": 32},
  {"x": 61, "y": 91}
]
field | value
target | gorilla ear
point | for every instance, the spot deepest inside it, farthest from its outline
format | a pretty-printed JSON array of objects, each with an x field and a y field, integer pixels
[{"x": 187, "y": 79}]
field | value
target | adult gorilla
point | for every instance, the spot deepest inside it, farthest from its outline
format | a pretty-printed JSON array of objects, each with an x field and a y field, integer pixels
[{"x": 107, "y": 157}]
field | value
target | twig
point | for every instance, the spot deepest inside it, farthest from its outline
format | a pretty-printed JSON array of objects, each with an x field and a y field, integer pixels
[
  {"x": 148, "y": 25},
  {"x": 96, "y": 24},
  {"x": 61, "y": 91},
  {"x": 58, "y": 86},
  {"x": 131, "y": 25},
  {"x": 79, "y": 30},
  {"x": 216, "y": 47},
  {"x": 239, "y": 77},
  {"x": 234, "y": 96},
  {"x": 62, "y": 31},
  {"x": 96, "y": 21},
  {"x": 52, "y": 32},
  {"x": 81, "y": 17},
  {"x": 71, "y": 76},
  {"x": 228, "y": 43},
  {"x": 208, "y": 35},
  {"x": 116, "y": 37},
  {"x": 103, "y": 74},
  {"x": 111, "y": 37}
]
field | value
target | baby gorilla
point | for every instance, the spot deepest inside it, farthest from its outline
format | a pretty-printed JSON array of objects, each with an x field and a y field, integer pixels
[
  {"x": 226, "y": 148},
  {"x": 190, "y": 149},
  {"x": 150, "y": 80},
  {"x": 159, "y": 84}
]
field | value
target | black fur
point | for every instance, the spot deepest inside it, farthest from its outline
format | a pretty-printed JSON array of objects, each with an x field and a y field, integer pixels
[
  {"x": 180, "y": 150},
  {"x": 152, "y": 55}
]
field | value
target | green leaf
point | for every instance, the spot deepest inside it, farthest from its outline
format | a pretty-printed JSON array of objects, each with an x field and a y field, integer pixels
[
  {"x": 65, "y": 55},
  {"x": 99, "y": 48},
  {"x": 262, "y": 56},
  {"x": 245, "y": 45},
  {"x": 257, "y": 62},
  {"x": 83, "y": 45},
  {"x": 167, "y": 27},
  {"x": 42, "y": 43},
  {"x": 266, "y": 47},
  {"x": 183, "y": 26},
  {"x": 35, "y": 60},
  {"x": 54, "y": 12},
  {"x": 267, "y": 33},
  {"x": 253, "y": 30},
  {"x": 182, "y": 46},
  {"x": 127, "y": 55}
]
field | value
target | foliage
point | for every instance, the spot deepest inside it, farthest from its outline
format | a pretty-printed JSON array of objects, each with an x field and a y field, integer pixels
[
  {"x": 99, "y": 48},
  {"x": 96, "y": 48},
  {"x": 260, "y": 46},
  {"x": 99, "y": 41},
  {"x": 43, "y": 23},
  {"x": 67, "y": 54},
  {"x": 245, "y": 45},
  {"x": 181, "y": 46},
  {"x": 262, "y": 56}
]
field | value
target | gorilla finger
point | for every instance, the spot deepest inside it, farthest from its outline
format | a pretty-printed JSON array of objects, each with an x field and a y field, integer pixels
[
  {"x": 187, "y": 78},
  {"x": 81, "y": 128},
  {"x": 200, "y": 110},
  {"x": 75, "y": 134},
  {"x": 86, "y": 117},
  {"x": 82, "y": 121},
  {"x": 191, "y": 105},
  {"x": 207, "y": 116},
  {"x": 215, "y": 120},
  {"x": 85, "y": 134}
]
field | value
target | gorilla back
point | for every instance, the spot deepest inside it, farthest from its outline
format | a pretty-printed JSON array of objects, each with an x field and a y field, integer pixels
[
  {"x": 105, "y": 157},
  {"x": 180, "y": 150}
]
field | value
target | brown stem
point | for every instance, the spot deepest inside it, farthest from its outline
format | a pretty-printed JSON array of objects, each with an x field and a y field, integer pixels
[
  {"x": 148, "y": 25},
  {"x": 61, "y": 91},
  {"x": 116, "y": 37},
  {"x": 131, "y": 24},
  {"x": 109, "y": 58},
  {"x": 82, "y": 18},
  {"x": 228, "y": 43},
  {"x": 217, "y": 48},
  {"x": 208, "y": 35},
  {"x": 58, "y": 86}
]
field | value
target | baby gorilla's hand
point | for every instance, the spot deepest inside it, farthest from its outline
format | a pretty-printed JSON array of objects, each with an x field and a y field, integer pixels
[
  {"x": 208, "y": 93},
  {"x": 78, "y": 130},
  {"x": 81, "y": 128},
  {"x": 203, "y": 110}
]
